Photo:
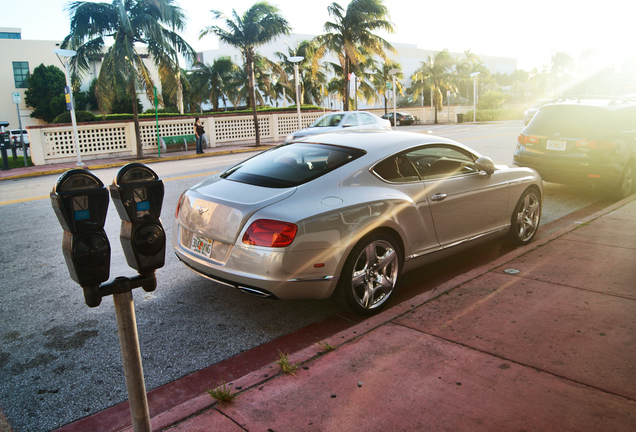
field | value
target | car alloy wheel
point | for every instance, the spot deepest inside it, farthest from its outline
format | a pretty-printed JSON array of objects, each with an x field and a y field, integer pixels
[
  {"x": 399, "y": 122},
  {"x": 370, "y": 275},
  {"x": 525, "y": 219}
]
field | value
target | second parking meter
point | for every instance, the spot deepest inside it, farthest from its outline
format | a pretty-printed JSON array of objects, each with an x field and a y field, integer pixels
[
  {"x": 137, "y": 193},
  {"x": 80, "y": 201}
]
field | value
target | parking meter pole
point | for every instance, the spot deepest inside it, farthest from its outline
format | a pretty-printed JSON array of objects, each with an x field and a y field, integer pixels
[{"x": 131, "y": 357}]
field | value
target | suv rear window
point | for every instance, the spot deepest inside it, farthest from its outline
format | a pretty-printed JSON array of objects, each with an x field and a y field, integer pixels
[
  {"x": 569, "y": 121},
  {"x": 291, "y": 164}
]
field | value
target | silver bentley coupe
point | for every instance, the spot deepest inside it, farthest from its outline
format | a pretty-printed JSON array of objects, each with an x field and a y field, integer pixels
[{"x": 346, "y": 213}]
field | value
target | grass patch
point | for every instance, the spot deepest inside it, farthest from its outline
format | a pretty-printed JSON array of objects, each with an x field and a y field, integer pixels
[
  {"x": 223, "y": 393},
  {"x": 285, "y": 365},
  {"x": 17, "y": 162},
  {"x": 326, "y": 347}
]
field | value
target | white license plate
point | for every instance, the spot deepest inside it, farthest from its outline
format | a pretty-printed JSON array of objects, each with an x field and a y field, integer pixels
[
  {"x": 556, "y": 145},
  {"x": 201, "y": 245}
]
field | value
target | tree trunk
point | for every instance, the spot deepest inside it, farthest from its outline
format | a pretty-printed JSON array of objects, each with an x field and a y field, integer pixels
[
  {"x": 133, "y": 94},
  {"x": 252, "y": 89}
]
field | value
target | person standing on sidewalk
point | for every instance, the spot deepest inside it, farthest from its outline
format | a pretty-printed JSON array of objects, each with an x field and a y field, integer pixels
[{"x": 198, "y": 133}]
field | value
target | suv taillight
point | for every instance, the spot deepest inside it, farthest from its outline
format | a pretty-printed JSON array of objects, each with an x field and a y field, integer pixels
[
  {"x": 528, "y": 140},
  {"x": 270, "y": 233}
]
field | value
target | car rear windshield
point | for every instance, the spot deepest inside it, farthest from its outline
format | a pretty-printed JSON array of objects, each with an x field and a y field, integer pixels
[
  {"x": 291, "y": 164},
  {"x": 569, "y": 121}
]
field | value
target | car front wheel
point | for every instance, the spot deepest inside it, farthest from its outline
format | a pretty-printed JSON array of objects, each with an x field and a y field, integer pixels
[
  {"x": 628, "y": 181},
  {"x": 370, "y": 274},
  {"x": 525, "y": 218},
  {"x": 399, "y": 122}
]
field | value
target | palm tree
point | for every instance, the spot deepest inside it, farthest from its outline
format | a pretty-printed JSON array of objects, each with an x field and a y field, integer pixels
[
  {"x": 350, "y": 37},
  {"x": 380, "y": 76},
  {"x": 213, "y": 82},
  {"x": 130, "y": 23},
  {"x": 259, "y": 25},
  {"x": 436, "y": 73},
  {"x": 312, "y": 80}
]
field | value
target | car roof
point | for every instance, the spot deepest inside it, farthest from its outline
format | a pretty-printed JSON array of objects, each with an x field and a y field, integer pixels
[
  {"x": 380, "y": 143},
  {"x": 612, "y": 103}
]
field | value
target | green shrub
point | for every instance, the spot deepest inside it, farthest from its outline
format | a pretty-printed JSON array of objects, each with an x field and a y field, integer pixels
[{"x": 80, "y": 117}]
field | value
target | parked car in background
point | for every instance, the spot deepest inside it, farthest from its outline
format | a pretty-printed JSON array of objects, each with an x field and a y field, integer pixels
[
  {"x": 402, "y": 118},
  {"x": 532, "y": 110},
  {"x": 16, "y": 137},
  {"x": 580, "y": 142},
  {"x": 336, "y": 121},
  {"x": 346, "y": 213}
]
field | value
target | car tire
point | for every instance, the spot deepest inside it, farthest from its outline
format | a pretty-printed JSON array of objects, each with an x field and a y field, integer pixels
[
  {"x": 399, "y": 123},
  {"x": 627, "y": 185},
  {"x": 370, "y": 275},
  {"x": 525, "y": 218}
]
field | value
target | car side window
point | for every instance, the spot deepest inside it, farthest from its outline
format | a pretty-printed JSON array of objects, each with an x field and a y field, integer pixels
[
  {"x": 441, "y": 161},
  {"x": 366, "y": 119},
  {"x": 397, "y": 169},
  {"x": 351, "y": 120}
]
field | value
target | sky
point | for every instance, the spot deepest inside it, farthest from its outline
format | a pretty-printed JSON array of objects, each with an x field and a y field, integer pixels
[{"x": 530, "y": 31}]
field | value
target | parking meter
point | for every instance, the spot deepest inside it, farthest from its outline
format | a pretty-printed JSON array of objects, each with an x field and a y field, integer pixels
[
  {"x": 5, "y": 144},
  {"x": 80, "y": 202},
  {"x": 137, "y": 193}
]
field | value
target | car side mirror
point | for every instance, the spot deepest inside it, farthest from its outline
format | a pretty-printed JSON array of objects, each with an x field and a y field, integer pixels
[{"x": 485, "y": 164}]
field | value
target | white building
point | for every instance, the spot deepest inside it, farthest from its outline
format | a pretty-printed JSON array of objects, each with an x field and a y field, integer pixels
[{"x": 18, "y": 59}]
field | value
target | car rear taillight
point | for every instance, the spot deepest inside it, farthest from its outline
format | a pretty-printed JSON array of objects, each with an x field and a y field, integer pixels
[
  {"x": 270, "y": 233},
  {"x": 176, "y": 212},
  {"x": 596, "y": 145},
  {"x": 527, "y": 139}
]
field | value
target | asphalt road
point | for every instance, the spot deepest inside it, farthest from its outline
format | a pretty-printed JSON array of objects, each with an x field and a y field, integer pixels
[{"x": 60, "y": 360}]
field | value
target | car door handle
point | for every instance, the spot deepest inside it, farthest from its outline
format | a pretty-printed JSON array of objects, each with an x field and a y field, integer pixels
[{"x": 438, "y": 197}]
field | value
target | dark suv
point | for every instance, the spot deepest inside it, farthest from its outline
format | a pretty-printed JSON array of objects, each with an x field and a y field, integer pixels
[{"x": 579, "y": 141}]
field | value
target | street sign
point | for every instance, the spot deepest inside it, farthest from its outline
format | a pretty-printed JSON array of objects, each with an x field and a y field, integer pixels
[
  {"x": 389, "y": 85},
  {"x": 16, "y": 97}
]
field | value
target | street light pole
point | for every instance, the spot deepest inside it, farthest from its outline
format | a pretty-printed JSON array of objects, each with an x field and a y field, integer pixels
[
  {"x": 67, "y": 54},
  {"x": 474, "y": 76},
  {"x": 392, "y": 72},
  {"x": 295, "y": 60}
]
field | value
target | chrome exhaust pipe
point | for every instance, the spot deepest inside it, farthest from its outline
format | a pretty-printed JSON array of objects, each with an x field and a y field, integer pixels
[{"x": 255, "y": 292}]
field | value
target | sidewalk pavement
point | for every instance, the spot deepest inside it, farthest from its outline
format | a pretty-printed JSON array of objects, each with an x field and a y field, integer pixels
[
  {"x": 541, "y": 339},
  {"x": 59, "y": 168}
]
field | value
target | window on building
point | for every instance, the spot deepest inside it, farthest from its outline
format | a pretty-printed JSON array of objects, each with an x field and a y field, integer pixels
[
  {"x": 10, "y": 35},
  {"x": 20, "y": 74}
]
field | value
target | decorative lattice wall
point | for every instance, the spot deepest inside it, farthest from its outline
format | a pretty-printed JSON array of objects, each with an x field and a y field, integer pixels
[
  {"x": 288, "y": 123},
  {"x": 240, "y": 128},
  {"x": 100, "y": 139},
  {"x": 167, "y": 128},
  {"x": 103, "y": 139}
]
